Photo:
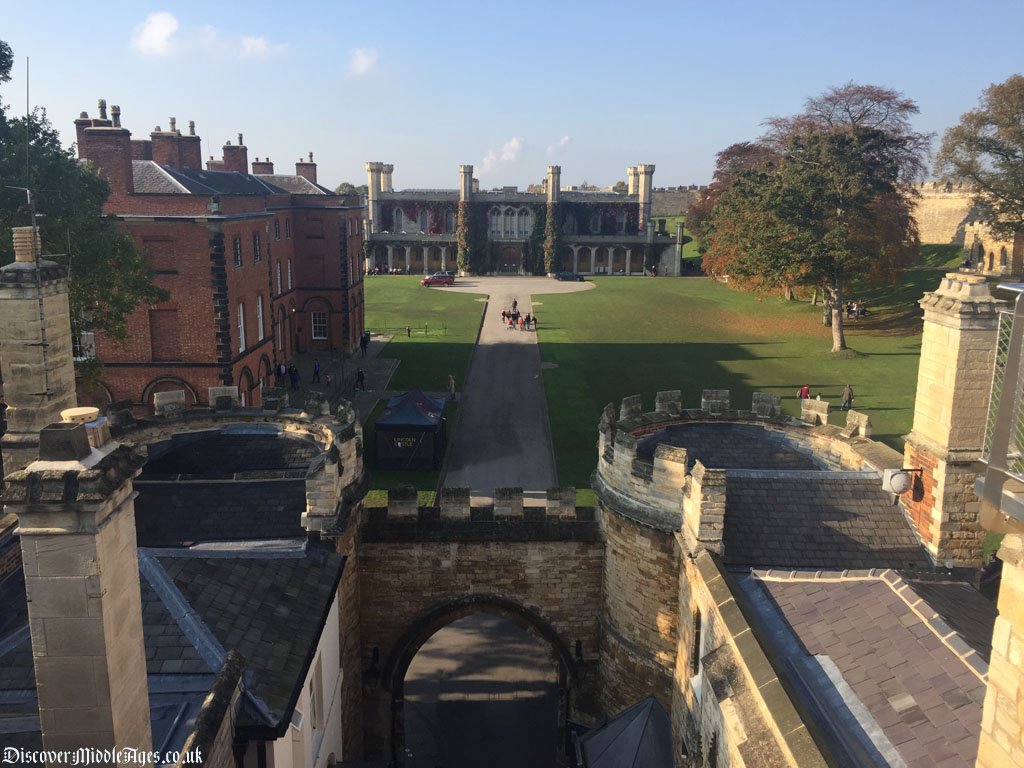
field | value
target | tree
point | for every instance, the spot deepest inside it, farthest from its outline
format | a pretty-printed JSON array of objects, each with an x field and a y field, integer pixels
[
  {"x": 986, "y": 149},
  {"x": 345, "y": 188},
  {"x": 821, "y": 218},
  {"x": 620, "y": 187},
  {"x": 109, "y": 275},
  {"x": 823, "y": 198}
]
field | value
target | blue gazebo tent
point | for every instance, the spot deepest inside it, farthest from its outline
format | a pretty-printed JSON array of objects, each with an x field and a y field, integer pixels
[{"x": 410, "y": 433}]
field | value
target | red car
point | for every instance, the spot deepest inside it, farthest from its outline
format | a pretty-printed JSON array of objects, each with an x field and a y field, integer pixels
[{"x": 438, "y": 278}]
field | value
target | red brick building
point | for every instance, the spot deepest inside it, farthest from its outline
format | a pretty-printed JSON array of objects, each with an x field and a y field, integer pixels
[{"x": 259, "y": 266}]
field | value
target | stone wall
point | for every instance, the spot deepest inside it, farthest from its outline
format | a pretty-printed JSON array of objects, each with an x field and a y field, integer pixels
[
  {"x": 1002, "y": 738},
  {"x": 638, "y": 642},
  {"x": 942, "y": 215}
]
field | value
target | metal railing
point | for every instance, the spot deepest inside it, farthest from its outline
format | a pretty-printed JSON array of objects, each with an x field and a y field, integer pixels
[{"x": 1001, "y": 489}]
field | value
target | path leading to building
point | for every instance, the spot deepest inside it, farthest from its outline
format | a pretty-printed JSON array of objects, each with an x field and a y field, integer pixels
[{"x": 503, "y": 438}]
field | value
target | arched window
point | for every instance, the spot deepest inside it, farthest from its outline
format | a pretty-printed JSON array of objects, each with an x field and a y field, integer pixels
[
  {"x": 449, "y": 222},
  {"x": 595, "y": 224},
  {"x": 620, "y": 223},
  {"x": 1002, "y": 256},
  {"x": 524, "y": 222},
  {"x": 399, "y": 224},
  {"x": 569, "y": 224},
  {"x": 495, "y": 223},
  {"x": 424, "y": 221},
  {"x": 510, "y": 222}
]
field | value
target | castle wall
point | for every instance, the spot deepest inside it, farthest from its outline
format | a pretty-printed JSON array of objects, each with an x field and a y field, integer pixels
[
  {"x": 638, "y": 638},
  {"x": 942, "y": 216}
]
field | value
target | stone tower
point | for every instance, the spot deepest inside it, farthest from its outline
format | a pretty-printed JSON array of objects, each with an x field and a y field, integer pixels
[
  {"x": 645, "y": 181},
  {"x": 373, "y": 190},
  {"x": 35, "y": 348},
  {"x": 465, "y": 183},
  {"x": 77, "y": 520},
  {"x": 957, "y": 348},
  {"x": 554, "y": 183}
]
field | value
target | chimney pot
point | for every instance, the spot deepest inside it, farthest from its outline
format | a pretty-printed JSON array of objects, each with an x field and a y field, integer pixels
[
  {"x": 311, "y": 157},
  {"x": 174, "y": 124},
  {"x": 26, "y": 244},
  {"x": 63, "y": 441},
  {"x": 240, "y": 142},
  {"x": 115, "y": 115},
  {"x": 83, "y": 115},
  {"x": 191, "y": 127},
  {"x": 157, "y": 129},
  {"x": 102, "y": 104}
]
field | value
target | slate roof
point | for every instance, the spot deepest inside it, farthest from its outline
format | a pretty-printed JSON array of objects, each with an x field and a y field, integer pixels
[
  {"x": 638, "y": 737},
  {"x": 269, "y": 606},
  {"x": 914, "y": 684},
  {"x": 412, "y": 408},
  {"x": 729, "y": 446},
  {"x": 296, "y": 185},
  {"x": 151, "y": 178},
  {"x": 179, "y": 514},
  {"x": 220, "y": 455},
  {"x": 969, "y": 613},
  {"x": 827, "y": 520},
  {"x": 270, "y": 610}
]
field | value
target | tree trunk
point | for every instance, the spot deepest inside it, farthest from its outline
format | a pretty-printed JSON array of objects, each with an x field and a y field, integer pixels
[
  {"x": 814, "y": 296},
  {"x": 836, "y": 302},
  {"x": 788, "y": 292}
]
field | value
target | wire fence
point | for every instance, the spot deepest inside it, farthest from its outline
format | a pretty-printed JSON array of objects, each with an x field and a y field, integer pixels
[
  {"x": 1015, "y": 448},
  {"x": 409, "y": 329}
]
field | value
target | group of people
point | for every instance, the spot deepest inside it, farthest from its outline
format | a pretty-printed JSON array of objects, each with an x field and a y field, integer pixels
[
  {"x": 291, "y": 372},
  {"x": 381, "y": 270},
  {"x": 856, "y": 309},
  {"x": 513, "y": 318},
  {"x": 804, "y": 393}
]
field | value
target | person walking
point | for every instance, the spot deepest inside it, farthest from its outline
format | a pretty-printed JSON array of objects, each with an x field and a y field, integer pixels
[
  {"x": 316, "y": 370},
  {"x": 361, "y": 380},
  {"x": 282, "y": 371},
  {"x": 364, "y": 342},
  {"x": 847, "y": 397},
  {"x": 804, "y": 393},
  {"x": 293, "y": 376}
]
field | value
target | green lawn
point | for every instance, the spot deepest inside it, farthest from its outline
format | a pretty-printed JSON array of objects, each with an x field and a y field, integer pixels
[
  {"x": 443, "y": 327},
  {"x": 639, "y": 336},
  {"x": 695, "y": 334},
  {"x": 690, "y": 252},
  {"x": 442, "y": 331}
]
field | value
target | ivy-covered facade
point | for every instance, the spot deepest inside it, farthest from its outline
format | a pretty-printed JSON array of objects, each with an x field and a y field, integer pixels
[{"x": 508, "y": 231}]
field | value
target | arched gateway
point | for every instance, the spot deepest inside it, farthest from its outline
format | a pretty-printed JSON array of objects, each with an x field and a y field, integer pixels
[{"x": 396, "y": 665}]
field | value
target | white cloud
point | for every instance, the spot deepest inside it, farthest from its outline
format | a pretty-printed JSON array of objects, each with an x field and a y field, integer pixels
[
  {"x": 561, "y": 144},
  {"x": 260, "y": 48},
  {"x": 508, "y": 153},
  {"x": 161, "y": 34},
  {"x": 153, "y": 36},
  {"x": 361, "y": 61}
]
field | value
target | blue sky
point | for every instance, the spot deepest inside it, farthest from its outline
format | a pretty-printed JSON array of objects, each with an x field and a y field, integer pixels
[{"x": 509, "y": 87}]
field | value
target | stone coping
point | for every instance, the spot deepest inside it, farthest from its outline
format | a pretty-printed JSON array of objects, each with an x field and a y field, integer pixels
[{"x": 951, "y": 639}]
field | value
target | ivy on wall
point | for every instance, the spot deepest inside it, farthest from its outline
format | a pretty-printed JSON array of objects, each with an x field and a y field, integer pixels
[
  {"x": 608, "y": 215},
  {"x": 551, "y": 237}
]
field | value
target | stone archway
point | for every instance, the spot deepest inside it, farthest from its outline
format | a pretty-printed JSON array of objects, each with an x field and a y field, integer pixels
[{"x": 390, "y": 704}]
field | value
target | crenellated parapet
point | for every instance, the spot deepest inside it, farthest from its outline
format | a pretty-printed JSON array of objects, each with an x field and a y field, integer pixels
[{"x": 650, "y": 485}]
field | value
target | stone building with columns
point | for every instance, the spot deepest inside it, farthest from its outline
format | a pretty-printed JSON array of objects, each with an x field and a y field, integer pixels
[{"x": 505, "y": 231}]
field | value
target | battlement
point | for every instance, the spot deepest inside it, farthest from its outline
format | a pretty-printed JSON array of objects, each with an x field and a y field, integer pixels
[
  {"x": 512, "y": 516},
  {"x": 643, "y": 475}
]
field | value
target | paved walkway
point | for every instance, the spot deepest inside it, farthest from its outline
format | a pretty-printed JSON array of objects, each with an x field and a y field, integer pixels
[{"x": 503, "y": 437}]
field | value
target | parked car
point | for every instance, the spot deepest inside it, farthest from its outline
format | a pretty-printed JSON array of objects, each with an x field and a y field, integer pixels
[
  {"x": 570, "y": 276},
  {"x": 438, "y": 278},
  {"x": 452, "y": 274}
]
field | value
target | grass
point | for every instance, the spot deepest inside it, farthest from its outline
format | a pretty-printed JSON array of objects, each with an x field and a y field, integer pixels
[
  {"x": 699, "y": 334},
  {"x": 443, "y": 329},
  {"x": 690, "y": 252},
  {"x": 691, "y": 335}
]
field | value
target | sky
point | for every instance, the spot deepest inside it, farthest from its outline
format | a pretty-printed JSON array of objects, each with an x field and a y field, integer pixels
[{"x": 509, "y": 87}]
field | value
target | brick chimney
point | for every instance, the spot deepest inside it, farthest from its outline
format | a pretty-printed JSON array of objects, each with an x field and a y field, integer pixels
[
  {"x": 76, "y": 521},
  {"x": 108, "y": 147},
  {"x": 236, "y": 158},
  {"x": 214, "y": 165},
  {"x": 142, "y": 149},
  {"x": 264, "y": 167},
  {"x": 306, "y": 169},
  {"x": 35, "y": 348},
  {"x": 167, "y": 145},
  {"x": 191, "y": 148}
]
